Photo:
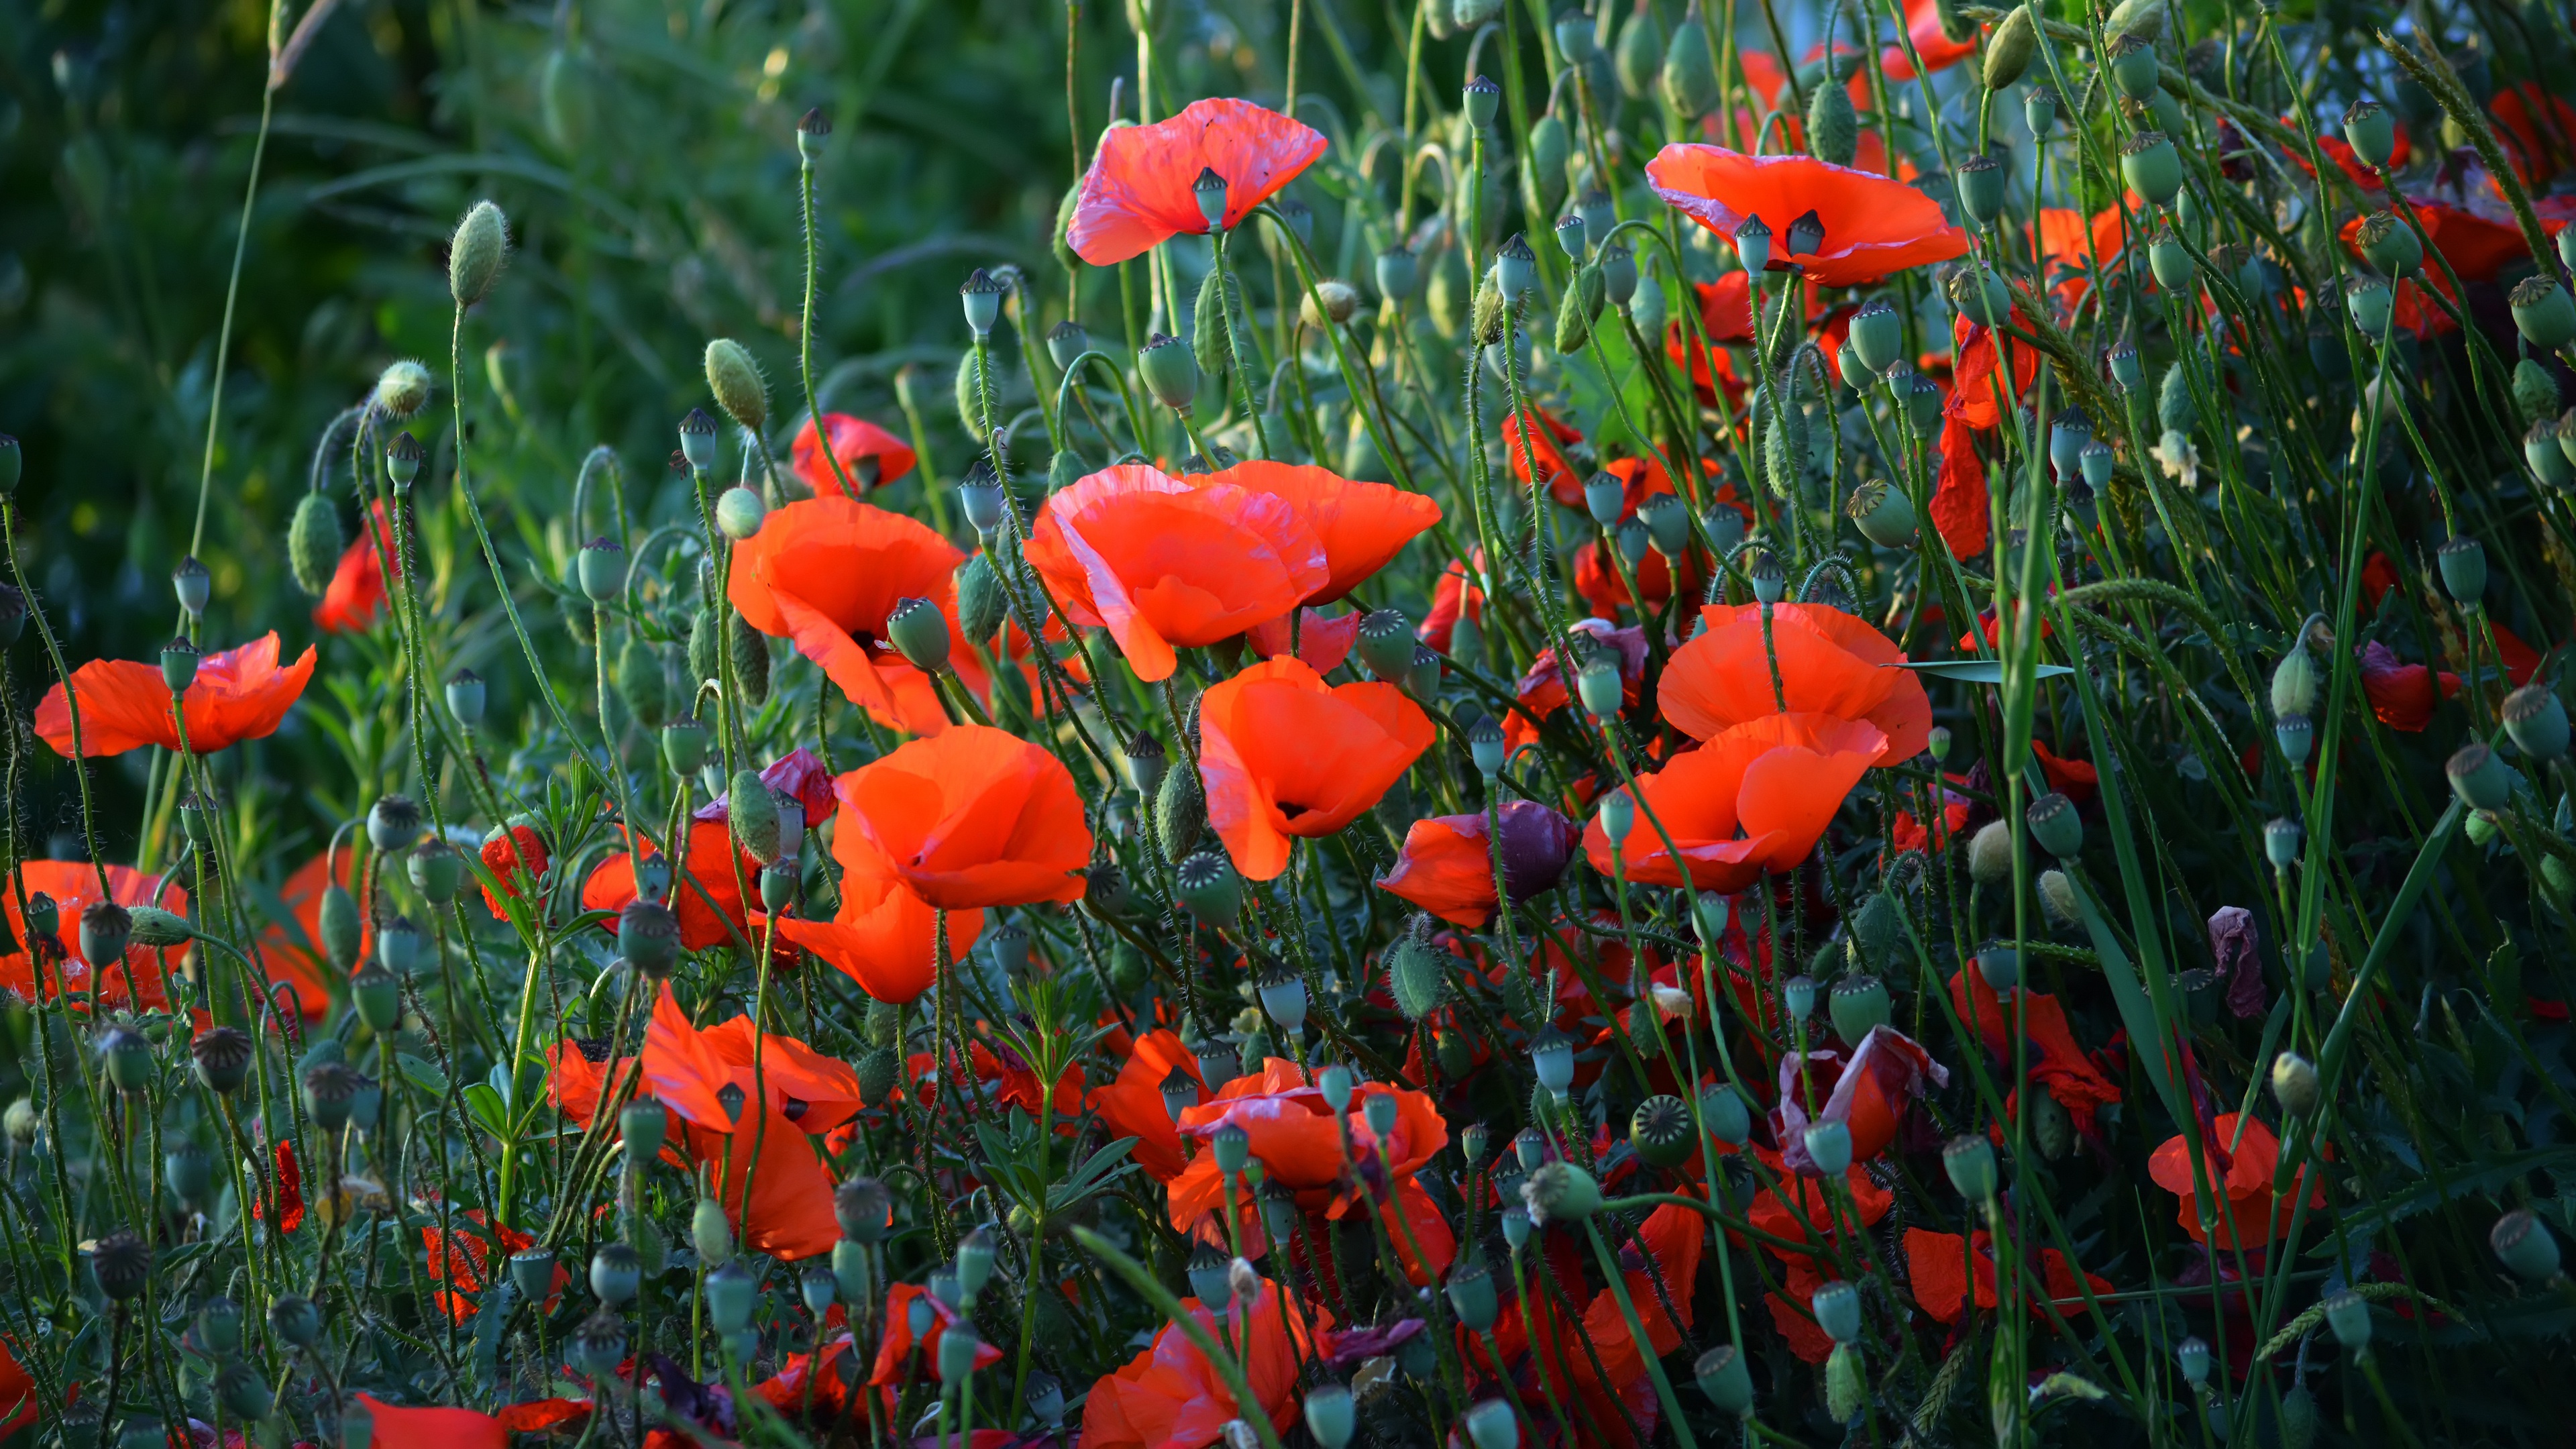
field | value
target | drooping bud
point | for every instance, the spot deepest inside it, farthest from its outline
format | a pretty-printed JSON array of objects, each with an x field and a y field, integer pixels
[
  {"x": 2294, "y": 1084},
  {"x": 1833, "y": 128}
]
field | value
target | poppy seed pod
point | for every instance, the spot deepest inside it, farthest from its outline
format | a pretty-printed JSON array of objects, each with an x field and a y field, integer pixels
[
  {"x": 1283, "y": 996},
  {"x": 1331, "y": 1415},
  {"x": 2348, "y": 1317},
  {"x": 331, "y": 1094},
  {"x": 127, "y": 1054},
  {"x": 313, "y": 543},
  {"x": 2294, "y": 1084},
  {"x": 1066, "y": 342},
  {"x": 377, "y": 995},
  {"x": 735, "y": 380},
  {"x": 1837, "y": 1309},
  {"x": 532, "y": 1273},
  {"x": 2152, "y": 167},
  {"x": 1878, "y": 335},
  {"x": 864, "y": 1209},
  {"x": 2525, "y": 1245},
  {"x": 1806, "y": 234},
  {"x": 1380, "y": 1112},
  {"x": 1662, "y": 1131},
  {"x": 1170, "y": 373},
  {"x": 2055, "y": 825},
  {"x": 1798, "y": 996},
  {"x": 698, "y": 440},
  {"x": 1618, "y": 818},
  {"x": 2544, "y": 449},
  {"x": 1515, "y": 267},
  {"x": 2543, "y": 312},
  {"x": 2133, "y": 66},
  {"x": 1722, "y": 1375},
  {"x": 600, "y": 568},
  {"x": 1492, "y": 1424},
  {"x": 599, "y": 1345},
  {"x": 476, "y": 254},
  {"x": 1883, "y": 514},
  {"x": 2480, "y": 777},
  {"x": 1209, "y": 888},
  {"x": 648, "y": 936},
  {"x": 465, "y": 697},
  {"x": 2390, "y": 244},
  {"x": 1570, "y": 237},
  {"x": 2370, "y": 304},
  {"x": 193, "y": 586},
  {"x": 919, "y": 632},
  {"x": 2371, "y": 132},
  {"x": 2296, "y": 737},
  {"x": 1386, "y": 643},
  {"x": 1980, "y": 181},
  {"x": 642, "y": 1124},
  {"x": 1857, "y": 1004},
  {"x": 2537, "y": 722},
  {"x": 2463, "y": 564},
  {"x": 179, "y": 661},
  {"x": 1990, "y": 853},
  {"x": 684, "y": 746},
  {"x": 1753, "y": 245},
  {"x": 221, "y": 1055},
  {"x": 1482, "y": 97},
  {"x": 294, "y": 1319},
  {"x": 981, "y": 295},
  {"x": 105, "y": 928},
  {"x": 2095, "y": 462},
  {"x": 1970, "y": 1162},
  {"x": 219, "y": 1322},
  {"x": 1559, "y": 1191},
  {"x": 2039, "y": 110},
  {"x": 811, "y": 129},
  {"x": 1723, "y": 1112},
  {"x": 2281, "y": 837},
  {"x": 123, "y": 1263},
  {"x": 1829, "y": 1146},
  {"x": 616, "y": 1274}
]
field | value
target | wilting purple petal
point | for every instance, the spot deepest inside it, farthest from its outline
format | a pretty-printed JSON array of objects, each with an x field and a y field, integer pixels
[
  {"x": 1536, "y": 844},
  {"x": 2233, "y": 942},
  {"x": 1895, "y": 1060},
  {"x": 1357, "y": 1345},
  {"x": 800, "y": 773}
]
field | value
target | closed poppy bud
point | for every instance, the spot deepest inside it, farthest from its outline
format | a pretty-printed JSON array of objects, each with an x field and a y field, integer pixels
[
  {"x": 2055, "y": 825},
  {"x": 1662, "y": 1132},
  {"x": 1386, "y": 643},
  {"x": 1829, "y": 1146},
  {"x": 1416, "y": 976},
  {"x": 294, "y": 1319},
  {"x": 1171, "y": 374},
  {"x": 2525, "y": 1245},
  {"x": 1857, "y": 1004},
  {"x": 313, "y": 543},
  {"x": 221, "y": 1055},
  {"x": 339, "y": 926},
  {"x": 2536, "y": 721},
  {"x": 2294, "y": 683},
  {"x": 1580, "y": 308},
  {"x": 1981, "y": 180},
  {"x": 2544, "y": 312},
  {"x": 2009, "y": 49},
  {"x": 377, "y": 996},
  {"x": 1970, "y": 1162},
  {"x": 1883, "y": 514},
  {"x": 179, "y": 660},
  {"x": 476, "y": 253},
  {"x": 331, "y": 1094},
  {"x": 2390, "y": 244},
  {"x": 2535, "y": 390},
  {"x": 2480, "y": 777},
  {"x": 735, "y": 380},
  {"x": 2371, "y": 132},
  {"x": 1559, "y": 1191},
  {"x": 2152, "y": 167},
  {"x": 2294, "y": 1084},
  {"x": 1721, "y": 1374},
  {"x": 739, "y": 513},
  {"x": 753, "y": 813},
  {"x": 1990, "y": 853}
]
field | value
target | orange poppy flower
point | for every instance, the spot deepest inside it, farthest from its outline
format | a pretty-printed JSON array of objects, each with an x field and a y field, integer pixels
[
  {"x": 1164, "y": 563},
  {"x": 975, "y": 817},
  {"x": 2058, "y": 1063},
  {"x": 17, "y": 1391},
  {"x": 1300, "y": 1148},
  {"x": 2538, "y": 131},
  {"x": 1596, "y": 578},
  {"x": 1322, "y": 641},
  {"x": 1939, "y": 1264},
  {"x": 1932, "y": 44},
  {"x": 2254, "y": 1214},
  {"x": 1361, "y": 525},
  {"x": 1830, "y": 662},
  {"x": 1548, "y": 436},
  {"x": 826, "y": 572},
  {"x": 239, "y": 694},
  {"x": 1452, "y": 599},
  {"x": 882, "y": 936},
  {"x": 871, "y": 456},
  {"x": 1777, "y": 779},
  {"x": 708, "y": 903},
  {"x": 2077, "y": 248},
  {"x": 460, "y": 1263},
  {"x": 1797, "y": 1204},
  {"x": 1283, "y": 754},
  {"x": 2074, "y": 779},
  {"x": 292, "y": 948},
  {"x": 1873, "y": 226},
  {"x": 357, "y": 591},
  {"x": 898, "y": 1344},
  {"x": 1543, "y": 690},
  {"x": 1169, "y": 1397},
  {"x": 135, "y": 982},
  {"x": 513, "y": 858},
  {"x": 2401, "y": 695},
  {"x": 1554, "y": 1351},
  {"x": 797, "y": 1091},
  {"x": 393, "y": 1428},
  {"x": 1132, "y": 1106},
  {"x": 1866, "y": 1093},
  {"x": 1913, "y": 834},
  {"x": 1140, "y": 190},
  {"x": 1711, "y": 369},
  {"x": 1447, "y": 864}
]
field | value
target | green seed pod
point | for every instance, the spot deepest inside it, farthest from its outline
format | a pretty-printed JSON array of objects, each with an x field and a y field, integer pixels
[
  {"x": 341, "y": 929},
  {"x": 1878, "y": 335},
  {"x": 684, "y": 746},
  {"x": 1551, "y": 145},
  {"x": 128, "y": 1056},
  {"x": 1561, "y": 1192},
  {"x": 1721, "y": 1374},
  {"x": 2152, "y": 167},
  {"x": 377, "y": 995},
  {"x": 241, "y": 1390},
  {"x": 2390, "y": 244},
  {"x": 1689, "y": 75},
  {"x": 331, "y": 1094},
  {"x": 314, "y": 544},
  {"x": 2175, "y": 410},
  {"x": 1722, "y": 1108},
  {"x": 1170, "y": 373},
  {"x": 2462, "y": 562},
  {"x": 2133, "y": 66},
  {"x": 1208, "y": 888},
  {"x": 476, "y": 254},
  {"x": 648, "y": 936},
  {"x": 2544, "y": 312},
  {"x": 919, "y": 632},
  {"x": 643, "y": 683},
  {"x": 2537, "y": 721},
  {"x": 2172, "y": 263},
  {"x": 1833, "y": 128},
  {"x": 2480, "y": 777},
  {"x": 735, "y": 380},
  {"x": 221, "y": 1055},
  {"x": 2371, "y": 131},
  {"x": 1417, "y": 977},
  {"x": 1857, "y": 1004},
  {"x": 2525, "y": 1245},
  {"x": 1386, "y": 643},
  {"x": 1662, "y": 1131},
  {"x": 2055, "y": 827},
  {"x": 189, "y": 1172},
  {"x": 2009, "y": 49},
  {"x": 1883, "y": 514}
]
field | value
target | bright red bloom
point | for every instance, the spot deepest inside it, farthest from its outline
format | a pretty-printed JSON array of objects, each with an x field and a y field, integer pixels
[
  {"x": 2538, "y": 131},
  {"x": 1132, "y": 1106},
  {"x": 1170, "y": 1397},
  {"x": 1830, "y": 662},
  {"x": 1547, "y": 438},
  {"x": 1754, "y": 799},
  {"x": 394, "y": 1428},
  {"x": 871, "y": 456},
  {"x": 2254, "y": 1214},
  {"x": 513, "y": 859},
  {"x": 975, "y": 817},
  {"x": 1873, "y": 226},
  {"x": 2079, "y": 249},
  {"x": 357, "y": 591},
  {"x": 1322, "y": 640},
  {"x": 1806, "y": 1207},
  {"x": 2401, "y": 695},
  {"x": 1140, "y": 192},
  {"x": 1553, "y": 1352},
  {"x": 1283, "y": 754},
  {"x": 1361, "y": 525},
  {"x": 1300, "y": 1147},
  {"x": 134, "y": 982},
  {"x": 1866, "y": 1093},
  {"x": 887, "y": 1372},
  {"x": 1938, "y": 1265},
  {"x": 708, "y": 902},
  {"x": 239, "y": 694},
  {"x": 1447, "y": 864},
  {"x": 1543, "y": 690},
  {"x": 1912, "y": 834},
  {"x": 460, "y": 1262},
  {"x": 1597, "y": 579},
  {"x": 292, "y": 947},
  {"x": 1934, "y": 45},
  {"x": 826, "y": 573},
  {"x": 1452, "y": 599},
  {"x": 17, "y": 1391},
  {"x": 1002, "y": 1076},
  {"x": 1166, "y": 563},
  {"x": 883, "y": 936},
  {"x": 2056, "y": 1063},
  {"x": 2074, "y": 779},
  {"x": 2479, "y": 240}
]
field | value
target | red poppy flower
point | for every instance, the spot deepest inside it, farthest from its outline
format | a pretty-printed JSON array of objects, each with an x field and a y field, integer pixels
[
  {"x": 871, "y": 456},
  {"x": 1361, "y": 525},
  {"x": 1872, "y": 225},
  {"x": 2057, "y": 1063},
  {"x": 1000, "y": 1076},
  {"x": 1452, "y": 599},
  {"x": 1931, "y": 43},
  {"x": 797, "y": 1091},
  {"x": 1323, "y": 641},
  {"x": 393, "y": 1428},
  {"x": 1294, "y": 1135},
  {"x": 1283, "y": 754},
  {"x": 1960, "y": 503},
  {"x": 882, "y": 936},
  {"x": 1140, "y": 190},
  {"x": 17, "y": 1391},
  {"x": 889, "y": 1371},
  {"x": 1712, "y": 369},
  {"x": 1555, "y": 1352},
  {"x": 1752, "y": 800},
  {"x": 1830, "y": 662},
  {"x": 542, "y": 1416},
  {"x": 357, "y": 591},
  {"x": 2348, "y": 160},
  {"x": 1164, "y": 563},
  {"x": 1596, "y": 578},
  {"x": 1939, "y": 1265},
  {"x": 239, "y": 694},
  {"x": 1170, "y": 1397},
  {"x": 285, "y": 1191},
  {"x": 135, "y": 982},
  {"x": 292, "y": 947},
  {"x": 1796, "y": 1204},
  {"x": 1913, "y": 834},
  {"x": 513, "y": 859},
  {"x": 1447, "y": 864},
  {"x": 826, "y": 572},
  {"x": 2401, "y": 695},
  {"x": 2479, "y": 239},
  {"x": 975, "y": 817},
  {"x": 1543, "y": 691},
  {"x": 2078, "y": 249},
  {"x": 1132, "y": 1106},
  {"x": 2538, "y": 130},
  {"x": 1867, "y": 1093},
  {"x": 2254, "y": 1215},
  {"x": 460, "y": 1263},
  {"x": 2074, "y": 779},
  {"x": 1547, "y": 437}
]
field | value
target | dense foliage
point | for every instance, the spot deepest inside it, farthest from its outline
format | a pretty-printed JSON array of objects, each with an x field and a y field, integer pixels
[{"x": 1603, "y": 724}]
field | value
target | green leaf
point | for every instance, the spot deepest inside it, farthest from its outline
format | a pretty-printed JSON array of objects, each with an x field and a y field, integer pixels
[
  {"x": 2452, "y": 1186},
  {"x": 1975, "y": 671},
  {"x": 488, "y": 1110},
  {"x": 421, "y": 1074}
]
